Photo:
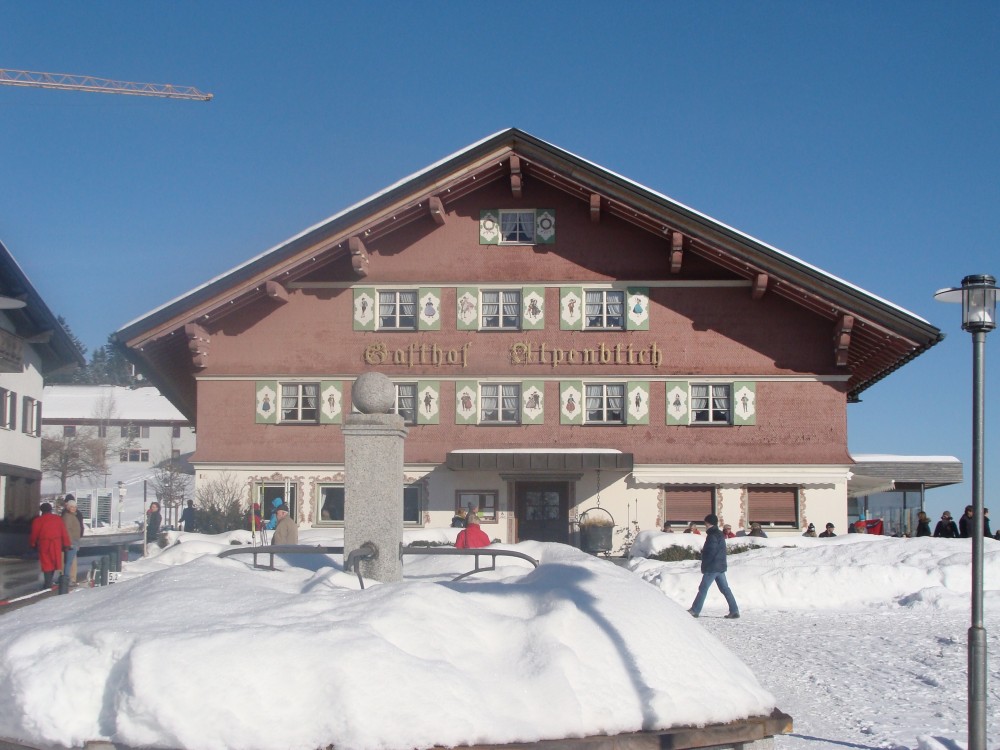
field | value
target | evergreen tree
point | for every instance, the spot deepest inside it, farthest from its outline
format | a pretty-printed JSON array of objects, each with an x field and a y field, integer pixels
[{"x": 76, "y": 375}]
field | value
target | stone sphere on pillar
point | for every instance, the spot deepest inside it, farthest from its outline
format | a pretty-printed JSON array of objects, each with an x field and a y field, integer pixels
[{"x": 373, "y": 393}]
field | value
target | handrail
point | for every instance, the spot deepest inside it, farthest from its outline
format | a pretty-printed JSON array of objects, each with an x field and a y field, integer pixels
[{"x": 361, "y": 553}]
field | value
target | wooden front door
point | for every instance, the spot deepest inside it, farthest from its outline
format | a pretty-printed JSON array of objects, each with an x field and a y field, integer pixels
[{"x": 542, "y": 511}]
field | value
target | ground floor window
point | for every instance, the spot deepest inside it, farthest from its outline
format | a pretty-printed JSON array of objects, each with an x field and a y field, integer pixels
[
  {"x": 773, "y": 506},
  {"x": 134, "y": 455},
  {"x": 331, "y": 504},
  {"x": 685, "y": 504},
  {"x": 485, "y": 501},
  {"x": 267, "y": 493}
]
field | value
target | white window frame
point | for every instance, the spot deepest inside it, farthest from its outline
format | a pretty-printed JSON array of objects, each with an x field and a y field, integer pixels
[
  {"x": 302, "y": 414},
  {"x": 604, "y": 314},
  {"x": 486, "y": 501},
  {"x": 135, "y": 431},
  {"x": 604, "y": 408},
  {"x": 500, "y": 316},
  {"x": 397, "y": 317},
  {"x": 526, "y": 233},
  {"x": 713, "y": 415},
  {"x": 488, "y": 392},
  {"x": 8, "y": 409},
  {"x": 31, "y": 416},
  {"x": 134, "y": 455},
  {"x": 322, "y": 504},
  {"x": 69, "y": 430},
  {"x": 409, "y": 414},
  {"x": 408, "y": 494}
]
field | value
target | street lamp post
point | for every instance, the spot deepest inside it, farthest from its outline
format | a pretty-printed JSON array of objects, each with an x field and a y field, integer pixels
[
  {"x": 122, "y": 491},
  {"x": 978, "y": 295}
]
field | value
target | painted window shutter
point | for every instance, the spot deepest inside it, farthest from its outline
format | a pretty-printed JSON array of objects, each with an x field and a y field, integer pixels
[
  {"x": 637, "y": 393},
  {"x": 533, "y": 308},
  {"x": 428, "y": 402},
  {"x": 267, "y": 402},
  {"x": 466, "y": 402},
  {"x": 467, "y": 309},
  {"x": 571, "y": 402},
  {"x": 533, "y": 402},
  {"x": 365, "y": 308},
  {"x": 545, "y": 226},
  {"x": 571, "y": 308},
  {"x": 678, "y": 402},
  {"x": 489, "y": 227},
  {"x": 637, "y": 300},
  {"x": 744, "y": 403},
  {"x": 331, "y": 407},
  {"x": 429, "y": 314}
]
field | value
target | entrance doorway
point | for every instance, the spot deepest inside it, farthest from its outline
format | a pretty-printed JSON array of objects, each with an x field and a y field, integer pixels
[{"x": 542, "y": 511}]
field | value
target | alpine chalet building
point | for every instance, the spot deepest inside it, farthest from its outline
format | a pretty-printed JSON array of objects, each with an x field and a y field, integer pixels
[{"x": 567, "y": 346}]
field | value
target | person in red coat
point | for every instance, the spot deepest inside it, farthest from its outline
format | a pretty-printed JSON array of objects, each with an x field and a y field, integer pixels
[
  {"x": 49, "y": 537},
  {"x": 471, "y": 536}
]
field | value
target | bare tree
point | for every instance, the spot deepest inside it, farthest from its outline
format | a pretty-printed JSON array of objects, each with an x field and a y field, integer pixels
[
  {"x": 172, "y": 484},
  {"x": 82, "y": 455}
]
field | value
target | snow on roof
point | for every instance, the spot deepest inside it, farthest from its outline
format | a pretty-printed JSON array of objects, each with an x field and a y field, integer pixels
[
  {"x": 889, "y": 458},
  {"x": 112, "y": 402}
]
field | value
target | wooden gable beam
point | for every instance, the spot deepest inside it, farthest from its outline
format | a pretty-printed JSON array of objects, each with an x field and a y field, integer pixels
[
  {"x": 359, "y": 256},
  {"x": 676, "y": 251},
  {"x": 842, "y": 339},
  {"x": 515, "y": 175},
  {"x": 436, "y": 207},
  {"x": 759, "y": 286},
  {"x": 276, "y": 292},
  {"x": 42, "y": 337},
  {"x": 198, "y": 344},
  {"x": 595, "y": 208}
]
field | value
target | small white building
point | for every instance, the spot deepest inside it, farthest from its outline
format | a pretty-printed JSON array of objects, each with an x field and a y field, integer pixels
[
  {"x": 140, "y": 426},
  {"x": 33, "y": 344}
]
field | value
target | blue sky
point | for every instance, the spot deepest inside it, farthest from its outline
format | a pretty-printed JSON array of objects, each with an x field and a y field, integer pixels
[{"x": 859, "y": 137}]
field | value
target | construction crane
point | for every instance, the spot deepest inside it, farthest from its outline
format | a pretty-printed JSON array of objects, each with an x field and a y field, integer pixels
[{"x": 68, "y": 82}]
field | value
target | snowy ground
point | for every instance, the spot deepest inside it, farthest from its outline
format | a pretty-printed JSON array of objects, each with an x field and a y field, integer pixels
[{"x": 861, "y": 639}]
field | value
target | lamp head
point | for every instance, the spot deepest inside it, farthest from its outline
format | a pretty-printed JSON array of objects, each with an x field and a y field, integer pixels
[{"x": 978, "y": 295}]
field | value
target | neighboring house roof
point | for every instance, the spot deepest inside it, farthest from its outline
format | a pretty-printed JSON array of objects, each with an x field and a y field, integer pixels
[
  {"x": 878, "y": 472},
  {"x": 875, "y": 336},
  {"x": 74, "y": 403},
  {"x": 34, "y": 323}
]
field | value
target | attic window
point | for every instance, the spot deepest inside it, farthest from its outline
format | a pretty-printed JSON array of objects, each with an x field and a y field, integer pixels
[{"x": 522, "y": 226}]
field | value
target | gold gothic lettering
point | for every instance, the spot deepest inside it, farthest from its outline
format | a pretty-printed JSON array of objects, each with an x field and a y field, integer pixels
[
  {"x": 526, "y": 353},
  {"x": 416, "y": 355}
]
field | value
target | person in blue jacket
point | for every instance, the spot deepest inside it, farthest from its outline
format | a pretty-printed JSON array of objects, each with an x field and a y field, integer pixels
[
  {"x": 273, "y": 520},
  {"x": 713, "y": 569}
]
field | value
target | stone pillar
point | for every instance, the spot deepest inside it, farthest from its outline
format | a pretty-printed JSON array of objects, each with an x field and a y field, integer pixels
[{"x": 373, "y": 477}]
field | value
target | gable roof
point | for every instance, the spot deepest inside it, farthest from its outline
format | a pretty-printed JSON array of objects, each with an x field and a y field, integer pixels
[
  {"x": 34, "y": 322},
  {"x": 873, "y": 336}
]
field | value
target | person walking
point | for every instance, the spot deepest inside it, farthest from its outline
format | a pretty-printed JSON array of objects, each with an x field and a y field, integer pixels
[
  {"x": 48, "y": 536},
  {"x": 923, "y": 524},
  {"x": 713, "y": 569},
  {"x": 187, "y": 516},
  {"x": 946, "y": 528},
  {"x": 965, "y": 522},
  {"x": 285, "y": 530},
  {"x": 75, "y": 528}
]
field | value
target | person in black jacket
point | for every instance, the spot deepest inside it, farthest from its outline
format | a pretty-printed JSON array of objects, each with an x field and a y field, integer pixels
[
  {"x": 946, "y": 528},
  {"x": 713, "y": 568},
  {"x": 965, "y": 522},
  {"x": 923, "y": 524}
]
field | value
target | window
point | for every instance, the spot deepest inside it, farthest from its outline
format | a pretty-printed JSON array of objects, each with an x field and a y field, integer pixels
[
  {"x": 683, "y": 504},
  {"x": 31, "y": 416},
  {"x": 332, "y": 497},
  {"x": 175, "y": 432},
  {"x": 710, "y": 404},
  {"x": 331, "y": 504},
  {"x": 397, "y": 310},
  {"x": 133, "y": 431},
  {"x": 517, "y": 227},
  {"x": 268, "y": 493},
  {"x": 134, "y": 455},
  {"x": 605, "y": 403},
  {"x": 501, "y": 309},
  {"x": 483, "y": 500},
  {"x": 500, "y": 402},
  {"x": 8, "y": 409},
  {"x": 175, "y": 453},
  {"x": 300, "y": 402},
  {"x": 102, "y": 431},
  {"x": 406, "y": 402},
  {"x": 411, "y": 505},
  {"x": 605, "y": 308},
  {"x": 773, "y": 506},
  {"x": 69, "y": 430}
]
